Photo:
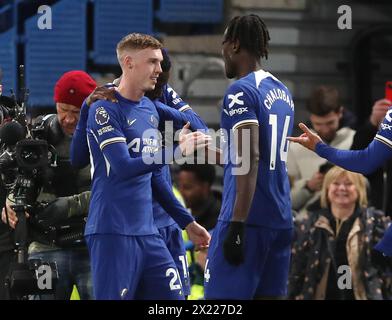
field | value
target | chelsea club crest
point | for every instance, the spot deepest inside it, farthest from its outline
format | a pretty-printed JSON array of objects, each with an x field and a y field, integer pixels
[{"x": 154, "y": 121}]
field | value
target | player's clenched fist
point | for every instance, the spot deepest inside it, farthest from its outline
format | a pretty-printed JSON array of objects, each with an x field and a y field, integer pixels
[{"x": 233, "y": 247}]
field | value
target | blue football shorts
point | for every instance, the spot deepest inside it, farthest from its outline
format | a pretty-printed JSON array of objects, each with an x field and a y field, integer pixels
[
  {"x": 133, "y": 267},
  {"x": 172, "y": 236},
  {"x": 264, "y": 272}
]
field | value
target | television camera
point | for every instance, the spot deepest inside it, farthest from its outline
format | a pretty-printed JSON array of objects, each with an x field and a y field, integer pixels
[{"x": 24, "y": 157}]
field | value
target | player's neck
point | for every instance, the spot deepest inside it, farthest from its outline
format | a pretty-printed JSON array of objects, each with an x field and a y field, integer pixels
[
  {"x": 247, "y": 66},
  {"x": 128, "y": 90}
]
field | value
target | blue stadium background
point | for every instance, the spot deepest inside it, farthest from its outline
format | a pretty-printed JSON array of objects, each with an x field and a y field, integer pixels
[{"x": 84, "y": 35}]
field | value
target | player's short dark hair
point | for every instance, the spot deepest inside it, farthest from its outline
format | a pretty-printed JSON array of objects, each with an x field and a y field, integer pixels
[
  {"x": 203, "y": 172},
  {"x": 251, "y": 32},
  {"x": 165, "y": 63},
  {"x": 323, "y": 100}
]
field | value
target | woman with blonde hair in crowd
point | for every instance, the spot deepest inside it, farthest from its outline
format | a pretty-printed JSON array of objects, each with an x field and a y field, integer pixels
[{"x": 332, "y": 257}]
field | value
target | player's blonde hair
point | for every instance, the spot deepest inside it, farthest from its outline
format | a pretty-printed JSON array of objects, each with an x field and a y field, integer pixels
[
  {"x": 136, "y": 41},
  {"x": 356, "y": 178}
]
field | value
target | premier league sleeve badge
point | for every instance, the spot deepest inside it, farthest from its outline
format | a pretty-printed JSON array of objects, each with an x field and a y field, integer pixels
[{"x": 101, "y": 116}]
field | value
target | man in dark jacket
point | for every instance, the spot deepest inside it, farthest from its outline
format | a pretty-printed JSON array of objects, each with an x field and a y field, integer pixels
[{"x": 195, "y": 182}]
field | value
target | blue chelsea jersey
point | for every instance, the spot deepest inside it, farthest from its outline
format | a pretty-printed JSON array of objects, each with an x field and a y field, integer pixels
[
  {"x": 384, "y": 134},
  {"x": 259, "y": 98},
  {"x": 121, "y": 206},
  {"x": 172, "y": 99}
]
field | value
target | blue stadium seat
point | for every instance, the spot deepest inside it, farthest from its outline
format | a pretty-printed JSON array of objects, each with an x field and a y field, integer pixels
[
  {"x": 8, "y": 62},
  {"x": 50, "y": 53},
  {"x": 114, "y": 20},
  {"x": 6, "y": 16},
  {"x": 191, "y": 11}
]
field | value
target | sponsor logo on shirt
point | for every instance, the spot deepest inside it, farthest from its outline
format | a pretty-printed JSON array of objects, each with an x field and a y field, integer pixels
[
  {"x": 235, "y": 99},
  {"x": 385, "y": 126},
  {"x": 105, "y": 130},
  {"x": 236, "y": 103},
  {"x": 144, "y": 145},
  {"x": 238, "y": 111}
]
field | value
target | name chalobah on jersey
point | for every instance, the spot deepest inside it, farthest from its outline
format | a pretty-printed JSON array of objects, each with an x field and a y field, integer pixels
[{"x": 277, "y": 94}]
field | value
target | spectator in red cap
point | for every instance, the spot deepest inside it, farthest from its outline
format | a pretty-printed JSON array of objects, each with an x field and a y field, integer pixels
[{"x": 69, "y": 93}]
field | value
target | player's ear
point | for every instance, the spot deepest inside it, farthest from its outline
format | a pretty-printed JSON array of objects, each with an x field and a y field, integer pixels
[
  {"x": 341, "y": 111},
  {"x": 128, "y": 61},
  {"x": 236, "y": 46}
]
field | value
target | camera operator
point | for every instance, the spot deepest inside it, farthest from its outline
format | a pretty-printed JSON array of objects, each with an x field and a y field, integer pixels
[
  {"x": 66, "y": 189},
  {"x": 6, "y": 257},
  {"x": 6, "y": 241}
]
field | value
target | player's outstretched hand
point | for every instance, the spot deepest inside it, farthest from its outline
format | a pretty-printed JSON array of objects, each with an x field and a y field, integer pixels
[
  {"x": 308, "y": 139},
  {"x": 191, "y": 141},
  {"x": 101, "y": 93},
  {"x": 379, "y": 110},
  {"x": 233, "y": 246},
  {"x": 198, "y": 235}
]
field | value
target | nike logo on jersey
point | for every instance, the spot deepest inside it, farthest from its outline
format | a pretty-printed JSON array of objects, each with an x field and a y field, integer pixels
[
  {"x": 238, "y": 241},
  {"x": 131, "y": 122},
  {"x": 235, "y": 99}
]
